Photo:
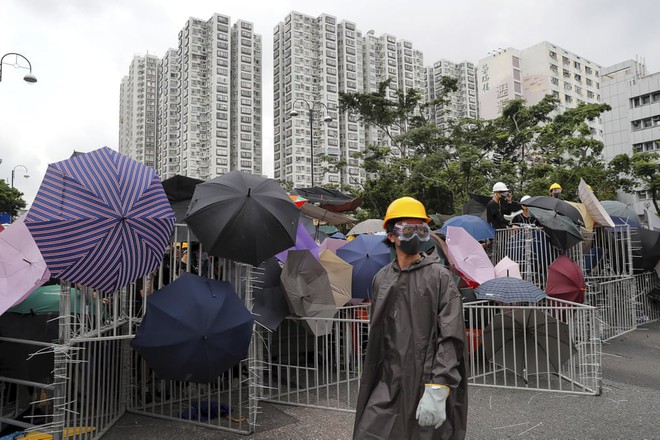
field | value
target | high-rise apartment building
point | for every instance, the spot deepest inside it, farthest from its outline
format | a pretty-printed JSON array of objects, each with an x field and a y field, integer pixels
[
  {"x": 138, "y": 110},
  {"x": 534, "y": 72},
  {"x": 315, "y": 59},
  {"x": 209, "y": 102},
  {"x": 462, "y": 103},
  {"x": 633, "y": 124}
]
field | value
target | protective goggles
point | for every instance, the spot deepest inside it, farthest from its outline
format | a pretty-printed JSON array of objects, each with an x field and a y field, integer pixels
[{"x": 407, "y": 231}]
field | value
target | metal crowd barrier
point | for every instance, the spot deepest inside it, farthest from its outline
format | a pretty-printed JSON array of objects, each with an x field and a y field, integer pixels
[
  {"x": 608, "y": 252},
  {"x": 551, "y": 345},
  {"x": 614, "y": 299},
  {"x": 648, "y": 308}
]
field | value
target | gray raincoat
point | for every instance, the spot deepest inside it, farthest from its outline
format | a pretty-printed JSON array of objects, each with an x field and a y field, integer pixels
[{"x": 417, "y": 336}]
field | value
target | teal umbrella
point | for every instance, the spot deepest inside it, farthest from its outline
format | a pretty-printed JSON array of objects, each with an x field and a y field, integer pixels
[{"x": 46, "y": 299}]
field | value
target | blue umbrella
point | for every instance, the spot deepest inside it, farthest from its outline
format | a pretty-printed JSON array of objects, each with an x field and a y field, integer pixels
[
  {"x": 621, "y": 213},
  {"x": 367, "y": 254},
  {"x": 509, "y": 290},
  {"x": 479, "y": 229},
  {"x": 194, "y": 330},
  {"x": 101, "y": 219}
]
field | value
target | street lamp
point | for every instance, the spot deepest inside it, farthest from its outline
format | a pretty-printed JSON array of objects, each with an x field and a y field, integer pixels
[
  {"x": 310, "y": 108},
  {"x": 29, "y": 77},
  {"x": 13, "y": 171}
]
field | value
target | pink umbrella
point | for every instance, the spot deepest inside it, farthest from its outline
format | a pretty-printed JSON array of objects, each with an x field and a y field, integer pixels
[
  {"x": 303, "y": 241},
  {"x": 468, "y": 256},
  {"x": 332, "y": 244},
  {"x": 507, "y": 268},
  {"x": 22, "y": 267}
]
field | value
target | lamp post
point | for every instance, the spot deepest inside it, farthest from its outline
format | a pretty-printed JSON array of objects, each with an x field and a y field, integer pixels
[
  {"x": 13, "y": 171},
  {"x": 29, "y": 77},
  {"x": 311, "y": 109}
]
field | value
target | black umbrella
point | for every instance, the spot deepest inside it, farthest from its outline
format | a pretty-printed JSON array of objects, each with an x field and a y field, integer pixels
[
  {"x": 243, "y": 217},
  {"x": 330, "y": 199},
  {"x": 561, "y": 231},
  {"x": 270, "y": 306},
  {"x": 646, "y": 256},
  {"x": 557, "y": 205},
  {"x": 308, "y": 291},
  {"x": 179, "y": 190},
  {"x": 476, "y": 205},
  {"x": 194, "y": 329}
]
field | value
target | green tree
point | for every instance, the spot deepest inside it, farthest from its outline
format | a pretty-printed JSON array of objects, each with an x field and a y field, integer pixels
[
  {"x": 11, "y": 199},
  {"x": 641, "y": 171}
]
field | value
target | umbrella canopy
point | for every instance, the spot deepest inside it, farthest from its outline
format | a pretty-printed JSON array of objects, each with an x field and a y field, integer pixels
[
  {"x": 557, "y": 205},
  {"x": 340, "y": 274},
  {"x": 22, "y": 267},
  {"x": 328, "y": 229},
  {"x": 101, "y": 220},
  {"x": 243, "y": 217},
  {"x": 509, "y": 290},
  {"x": 479, "y": 229},
  {"x": 307, "y": 289},
  {"x": 303, "y": 241},
  {"x": 311, "y": 229},
  {"x": 367, "y": 254},
  {"x": 620, "y": 213},
  {"x": 528, "y": 341},
  {"x": 370, "y": 226},
  {"x": 468, "y": 256},
  {"x": 332, "y": 244},
  {"x": 593, "y": 205},
  {"x": 562, "y": 232},
  {"x": 330, "y": 199},
  {"x": 507, "y": 268},
  {"x": 476, "y": 205},
  {"x": 586, "y": 218},
  {"x": 194, "y": 329},
  {"x": 45, "y": 299},
  {"x": 647, "y": 254},
  {"x": 299, "y": 201},
  {"x": 179, "y": 190},
  {"x": 270, "y": 306},
  {"x": 338, "y": 235},
  {"x": 566, "y": 280}
]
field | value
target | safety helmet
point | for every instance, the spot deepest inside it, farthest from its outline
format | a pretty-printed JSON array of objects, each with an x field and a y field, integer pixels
[
  {"x": 184, "y": 245},
  {"x": 499, "y": 186},
  {"x": 405, "y": 207},
  {"x": 524, "y": 199},
  {"x": 555, "y": 186}
]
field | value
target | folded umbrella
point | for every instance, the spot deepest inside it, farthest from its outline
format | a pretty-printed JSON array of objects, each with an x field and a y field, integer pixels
[
  {"x": 303, "y": 241},
  {"x": 340, "y": 275},
  {"x": 194, "y": 330},
  {"x": 101, "y": 220},
  {"x": 243, "y": 217},
  {"x": 565, "y": 280},
  {"x": 557, "y": 205},
  {"x": 370, "y": 226},
  {"x": 509, "y": 290},
  {"x": 270, "y": 306},
  {"x": 593, "y": 205},
  {"x": 479, "y": 229},
  {"x": 367, "y": 254},
  {"x": 468, "y": 256},
  {"x": 507, "y": 268},
  {"x": 562, "y": 232},
  {"x": 621, "y": 214},
  {"x": 22, "y": 267},
  {"x": 309, "y": 294}
]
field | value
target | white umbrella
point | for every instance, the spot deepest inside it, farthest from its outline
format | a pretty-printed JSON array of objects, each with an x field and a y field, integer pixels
[
  {"x": 593, "y": 205},
  {"x": 370, "y": 226},
  {"x": 507, "y": 268}
]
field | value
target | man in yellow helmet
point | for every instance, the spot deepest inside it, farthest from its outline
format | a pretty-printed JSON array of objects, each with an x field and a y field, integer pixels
[
  {"x": 414, "y": 384},
  {"x": 555, "y": 191}
]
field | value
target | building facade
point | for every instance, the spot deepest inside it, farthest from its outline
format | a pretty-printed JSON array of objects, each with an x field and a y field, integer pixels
[
  {"x": 462, "y": 103},
  {"x": 168, "y": 136},
  {"x": 633, "y": 124},
  {"x": 138, "y": 108}
]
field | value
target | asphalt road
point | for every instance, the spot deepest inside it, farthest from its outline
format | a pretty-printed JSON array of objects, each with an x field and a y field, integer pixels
[{"x": 628, "y": 408}]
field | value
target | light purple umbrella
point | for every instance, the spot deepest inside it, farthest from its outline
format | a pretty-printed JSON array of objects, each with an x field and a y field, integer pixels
[
  {"x": 332, "y": 244},
  {"x": 468, "y": 255},
  {"x": 22, "y": 267},
  {"x": 303, "y": 241},
  {"x": 506, "y": 267}
]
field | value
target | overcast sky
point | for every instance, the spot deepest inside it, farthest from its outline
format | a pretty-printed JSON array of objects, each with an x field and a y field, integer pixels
[{"x": 80, "y": 49}]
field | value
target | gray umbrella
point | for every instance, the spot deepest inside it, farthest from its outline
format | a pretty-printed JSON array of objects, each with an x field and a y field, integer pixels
[
  {"x": 308, "y": 291},
  {"x": 528, "y": 341},
  {"x": 270, "y": 305}
]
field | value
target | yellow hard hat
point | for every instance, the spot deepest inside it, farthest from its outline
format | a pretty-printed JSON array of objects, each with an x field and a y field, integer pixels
[
  {"x": 555, "y": 186},
  {"x": 405, "y": 207},
  {"x": 184, "y": 245}
]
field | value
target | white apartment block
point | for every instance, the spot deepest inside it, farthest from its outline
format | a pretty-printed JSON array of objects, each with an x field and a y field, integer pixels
[
  {"x": 316, "y": 58},
  {"x": 138, "y": 110},
  {"x": 534, "y": 72},
  {"x": 168, "y": 138},
  {"x": 462, "y": 103},
  {"x": 633, "y": 124}
]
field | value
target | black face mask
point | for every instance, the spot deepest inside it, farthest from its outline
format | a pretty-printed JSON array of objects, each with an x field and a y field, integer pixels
[{"x": 412, "y": 246}]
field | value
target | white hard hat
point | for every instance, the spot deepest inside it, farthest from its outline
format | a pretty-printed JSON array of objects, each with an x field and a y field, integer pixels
[
  {"x": 499, "y": 186},
  {"x": 524, "y": 198}
]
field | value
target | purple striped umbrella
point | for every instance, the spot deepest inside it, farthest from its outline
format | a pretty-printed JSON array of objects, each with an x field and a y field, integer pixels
[{"x": 101, "y": 220}]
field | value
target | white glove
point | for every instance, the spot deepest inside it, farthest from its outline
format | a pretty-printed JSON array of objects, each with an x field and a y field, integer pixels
[{"x": 431, "y": 407}]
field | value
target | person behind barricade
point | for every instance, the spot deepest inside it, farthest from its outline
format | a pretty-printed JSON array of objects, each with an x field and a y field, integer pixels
[
  {"x": 498, "y": 206},
  {"x": 414, "y": 384},
  {"x": 555, "y": 191},
  {"x": 525, "y": 217}
]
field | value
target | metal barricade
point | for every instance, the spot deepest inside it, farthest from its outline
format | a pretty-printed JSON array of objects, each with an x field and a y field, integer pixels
[
  {"x": 531, "y": 249},
  {"x": 648, "y": 308},
  {"x": 608, "y": 252},
  {"x": 614, "y": 299},
  {"x": 552, "y": 345},
  {"x": 322, "y": 372}
]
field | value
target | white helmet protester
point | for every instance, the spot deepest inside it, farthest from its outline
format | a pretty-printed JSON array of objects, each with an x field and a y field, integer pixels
[
  {"x": 499, "y": 187},
  {"x": 524, "y": 199}
]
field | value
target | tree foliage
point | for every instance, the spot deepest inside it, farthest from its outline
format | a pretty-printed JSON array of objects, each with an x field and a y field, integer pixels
[
  {"x": 641, "y": 171},
  {"x": 11, "y": 199}
]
